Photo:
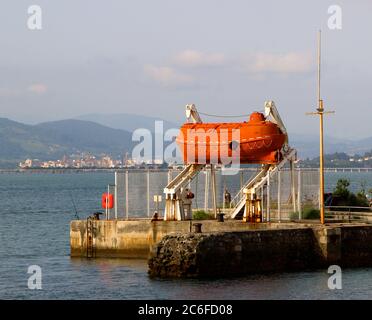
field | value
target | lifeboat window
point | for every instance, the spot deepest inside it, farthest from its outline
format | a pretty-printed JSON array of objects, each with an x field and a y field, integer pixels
[{"x": 233, "y": 145}]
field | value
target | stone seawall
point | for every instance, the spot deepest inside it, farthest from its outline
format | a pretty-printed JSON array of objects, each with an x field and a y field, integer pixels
[
  {"x": 356, "y": 246},
  {"x": 241, "y": 253}
]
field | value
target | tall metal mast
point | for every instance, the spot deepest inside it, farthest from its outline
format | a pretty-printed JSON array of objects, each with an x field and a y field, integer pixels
[
  {"x": 321, "y": 140},
  {"x": 320, "y": 112}
]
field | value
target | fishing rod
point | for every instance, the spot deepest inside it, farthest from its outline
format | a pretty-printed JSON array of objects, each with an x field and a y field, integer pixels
[{"x": 73, "y": 203}]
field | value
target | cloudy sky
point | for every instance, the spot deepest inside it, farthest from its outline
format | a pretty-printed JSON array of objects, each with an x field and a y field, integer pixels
[{"x": 153, "y": 57}]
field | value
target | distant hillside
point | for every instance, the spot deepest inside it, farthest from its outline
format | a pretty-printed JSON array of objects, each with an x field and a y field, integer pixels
[
  {"x": 52, "y": 140},
  {"x": 308, "y": 145},
  {"x": 341, "y": 160},
  {"x": 17, "y": 139},
  {"x": 126, "y": 121},
  {"x": 87, "y": 135}
]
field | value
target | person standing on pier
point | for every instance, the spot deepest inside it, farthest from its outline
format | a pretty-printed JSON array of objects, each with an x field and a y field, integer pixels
[
  {"x": 187, "y": 197},
  {"x": 227, "y": 197}
]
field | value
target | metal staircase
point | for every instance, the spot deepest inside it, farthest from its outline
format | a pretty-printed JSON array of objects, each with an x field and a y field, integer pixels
[
  {"x": 256, "y": 182},
  {"x": 173, "y": 202},
  {"x": 239, "y": 199}
]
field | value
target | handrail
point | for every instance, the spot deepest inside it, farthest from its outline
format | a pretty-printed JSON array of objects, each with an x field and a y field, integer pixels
[
  {"x": 240, "y": 193},
  {"x": 348, "y": 207}
]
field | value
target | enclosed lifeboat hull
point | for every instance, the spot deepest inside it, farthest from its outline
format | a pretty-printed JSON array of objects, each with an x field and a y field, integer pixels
[{"x": 255, "y": 141}]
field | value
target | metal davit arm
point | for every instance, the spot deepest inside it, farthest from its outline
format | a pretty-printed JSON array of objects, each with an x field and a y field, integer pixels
[
  {"x": 192, "y": 114},
  {"x": 271, "y": 110}
]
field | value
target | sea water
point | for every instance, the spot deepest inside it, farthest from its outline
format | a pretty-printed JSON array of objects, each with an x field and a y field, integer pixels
[{"x": 35, "y": 212}]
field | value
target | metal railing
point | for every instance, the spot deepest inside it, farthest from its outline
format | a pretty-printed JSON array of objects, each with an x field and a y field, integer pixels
[
  {"x": 348, "y": 169},
  {"x": 349, "y": 213}
]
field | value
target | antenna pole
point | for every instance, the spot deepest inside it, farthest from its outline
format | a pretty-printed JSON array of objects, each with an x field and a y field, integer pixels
[
  {"x": 319, "y": 62},
  {"x": 320, "y": 111},
  {"x": 321, "y": 140}
]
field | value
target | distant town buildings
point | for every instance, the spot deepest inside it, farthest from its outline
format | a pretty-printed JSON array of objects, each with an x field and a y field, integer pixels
[
  {"x": 86, "y": 161},
  {"x": 360, "y": 159},
  {"x": 28, "y": 163},
  {"x": 340, "y": 160},
  {"x": 83, "y": 161}
]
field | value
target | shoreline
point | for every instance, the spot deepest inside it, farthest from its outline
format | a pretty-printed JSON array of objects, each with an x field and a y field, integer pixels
[{"x": 88, "y": 170}]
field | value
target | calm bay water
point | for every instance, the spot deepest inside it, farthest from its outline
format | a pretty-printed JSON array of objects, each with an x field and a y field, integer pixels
[{"x": 35, "y": 213}]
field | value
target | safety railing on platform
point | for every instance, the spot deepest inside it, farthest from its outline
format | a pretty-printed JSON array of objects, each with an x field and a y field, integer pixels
[{"x": 349, "y": 213}]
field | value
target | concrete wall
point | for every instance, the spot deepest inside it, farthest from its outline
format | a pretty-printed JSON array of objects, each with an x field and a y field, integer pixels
[
  {"x": 127, "y": 239},
  {"x": 135, "y": 239}
]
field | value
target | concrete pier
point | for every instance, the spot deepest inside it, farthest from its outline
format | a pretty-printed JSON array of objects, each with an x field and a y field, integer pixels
[
  {"x": 224, "y": 248},
  {"x": 136, "y": 239}
]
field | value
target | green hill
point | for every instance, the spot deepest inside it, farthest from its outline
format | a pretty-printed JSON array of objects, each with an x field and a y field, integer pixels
[{"x": 51, "y": 140}]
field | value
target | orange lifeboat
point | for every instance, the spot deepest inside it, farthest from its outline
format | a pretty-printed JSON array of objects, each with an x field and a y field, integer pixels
[{"x": 259, "y": 141}]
